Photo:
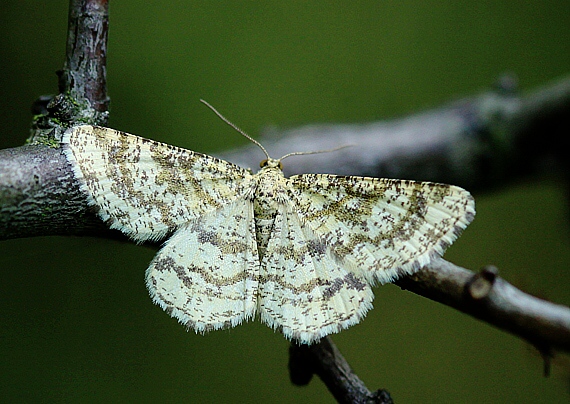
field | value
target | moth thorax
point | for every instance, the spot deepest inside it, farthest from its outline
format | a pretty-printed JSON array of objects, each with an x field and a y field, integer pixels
[{"x": 270, "y": 190}]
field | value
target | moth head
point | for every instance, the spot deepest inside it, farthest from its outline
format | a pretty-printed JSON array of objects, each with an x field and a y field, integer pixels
[{"x": 271, "y": 163}]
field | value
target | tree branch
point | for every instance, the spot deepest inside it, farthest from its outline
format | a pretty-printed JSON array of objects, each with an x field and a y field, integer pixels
[{"x": 478, "y": 142}]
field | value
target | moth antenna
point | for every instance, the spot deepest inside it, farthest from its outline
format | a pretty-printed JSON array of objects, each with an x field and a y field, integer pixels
[
  {"x": 223, "y": 118},
  {"x": 316, "y": 152}
]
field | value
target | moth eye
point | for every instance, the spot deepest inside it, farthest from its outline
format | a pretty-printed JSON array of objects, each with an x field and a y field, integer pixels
[
  {"x": 263, "y": 163},
  {"x": 280, "y": 165}
]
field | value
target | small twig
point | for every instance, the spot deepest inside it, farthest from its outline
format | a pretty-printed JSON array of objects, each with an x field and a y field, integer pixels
[
  {"x": 325, "y": 360},
  {"x": 82, "y": 83},
  {"x": 490, "y": 298},
  {"x": 84, "y": 72}
]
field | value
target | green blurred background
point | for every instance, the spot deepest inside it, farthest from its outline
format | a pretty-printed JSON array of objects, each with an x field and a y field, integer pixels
[{"x": 77, "y": 322}]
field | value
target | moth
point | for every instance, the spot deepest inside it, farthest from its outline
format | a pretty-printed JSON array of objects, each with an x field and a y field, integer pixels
[{"x": 302, "y": 252}]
